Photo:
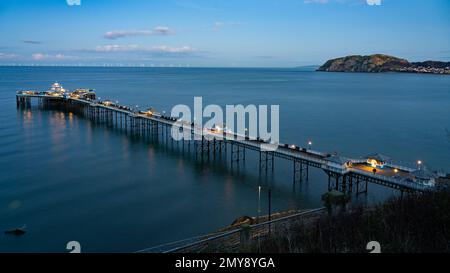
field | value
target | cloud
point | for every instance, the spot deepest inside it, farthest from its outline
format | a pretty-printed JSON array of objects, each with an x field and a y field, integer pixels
[
  {"x": 73, "y": 2},
  {"x": 316, "y": 1},
  {"x": 368, "y": 2},
  {"x": 138, "y": 48},
  {"x": 373, "y": 2},
  {"x": 38, "y": 56},
  {"x": 31, "y": 42},
  {"x": 48, "y": 57},
  {"x": 159, "y": 30},
  {"x": 8, "y": 56},
  {"x": 218, "y": 25},
  {"x": 162, "y": 30}
]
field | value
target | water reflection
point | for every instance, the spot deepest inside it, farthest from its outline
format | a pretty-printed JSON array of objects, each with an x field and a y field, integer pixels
[{"x": 126, "y": 194}]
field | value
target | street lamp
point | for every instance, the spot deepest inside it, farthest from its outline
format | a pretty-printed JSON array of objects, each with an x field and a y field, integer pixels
[
  {"x": 309, "y": 144},
  {"x": 419, "y": 163}
]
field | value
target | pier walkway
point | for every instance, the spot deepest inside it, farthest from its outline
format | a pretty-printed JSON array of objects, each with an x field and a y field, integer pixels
[{"x": 344, "y": 174}]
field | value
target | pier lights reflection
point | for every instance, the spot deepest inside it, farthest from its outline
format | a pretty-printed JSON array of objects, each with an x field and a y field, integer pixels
[
  {"x": 71, "y": 119},
  {"x": 27, "y": 115},
  {"x": 259, "y": 204}
]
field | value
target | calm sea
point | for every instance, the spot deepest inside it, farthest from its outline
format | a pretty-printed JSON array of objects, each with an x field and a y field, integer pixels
[{"x": 66, "y": 178}]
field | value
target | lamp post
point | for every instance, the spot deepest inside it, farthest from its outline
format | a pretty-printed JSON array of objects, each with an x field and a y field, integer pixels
[
  {"x": 309, "y": 144},
  {"x": 419, "y": 164}
]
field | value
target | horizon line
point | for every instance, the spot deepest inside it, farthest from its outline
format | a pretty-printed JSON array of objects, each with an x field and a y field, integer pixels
[{"x": 148, "y": 66}]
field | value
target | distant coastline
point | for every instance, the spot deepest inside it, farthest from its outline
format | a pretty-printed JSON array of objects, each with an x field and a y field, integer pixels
[{"x": 383, "y": 63}]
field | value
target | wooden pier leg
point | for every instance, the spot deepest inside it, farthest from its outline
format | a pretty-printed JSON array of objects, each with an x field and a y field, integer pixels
[
  {"x": 131, "y": 125},
  {"x": 260, "y": 162},
  {"x": 299, "y": 166},
  {"x": 357, "y": 185},
  {"x": 301, "y": 171},
  {"x": 232, "y": 153},
  {"x": 267, "y": 161},
  {"x": 329, "y": 182},
  {"x": 202, "y": 148},
  {"x": 307, "y": 172},
  {"x": 263, "y": 162},
  {"x": 344, "y": 183},
  {"x": 350, "y": 186}
]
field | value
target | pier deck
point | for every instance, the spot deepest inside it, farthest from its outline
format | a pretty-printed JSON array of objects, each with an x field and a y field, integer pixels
[{"x": 343, "y": 173}]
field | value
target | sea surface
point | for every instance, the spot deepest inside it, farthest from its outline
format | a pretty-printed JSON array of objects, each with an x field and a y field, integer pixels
[{"x": 69, "y": 179}]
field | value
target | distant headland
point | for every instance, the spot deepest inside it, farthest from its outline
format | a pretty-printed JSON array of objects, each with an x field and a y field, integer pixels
[{"x": 383, "y": 63}]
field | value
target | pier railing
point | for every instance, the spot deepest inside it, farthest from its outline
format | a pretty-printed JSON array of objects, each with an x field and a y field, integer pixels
[
  {"x": 232, "y": 241},
  {"x": 97, "y": 110}
]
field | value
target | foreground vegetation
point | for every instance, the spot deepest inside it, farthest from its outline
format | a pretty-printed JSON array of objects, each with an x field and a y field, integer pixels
[{"x": 414, "y": 223}]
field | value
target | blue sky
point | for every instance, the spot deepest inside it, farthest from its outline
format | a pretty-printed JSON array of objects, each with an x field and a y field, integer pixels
[{"x": 260, "y": 33}]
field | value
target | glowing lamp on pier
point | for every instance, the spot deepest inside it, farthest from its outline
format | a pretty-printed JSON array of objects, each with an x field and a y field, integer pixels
[
  {"x": 149, "y": 112},
  {"x": 373, "y": 163},
  {"x": 377, "y": 160},
  {"x": 419, "y": 163}
]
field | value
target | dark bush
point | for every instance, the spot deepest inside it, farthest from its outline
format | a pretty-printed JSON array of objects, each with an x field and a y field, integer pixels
[{"x": 414, "y": 223}]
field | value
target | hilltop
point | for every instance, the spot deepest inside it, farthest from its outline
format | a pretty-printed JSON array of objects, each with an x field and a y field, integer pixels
[{"x": 383, "y": 63}]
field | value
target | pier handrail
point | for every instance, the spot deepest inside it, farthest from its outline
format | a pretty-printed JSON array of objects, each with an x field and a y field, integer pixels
[
  {"x": 228, "y": 233},
  {"x": 314, "y": 157}
]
